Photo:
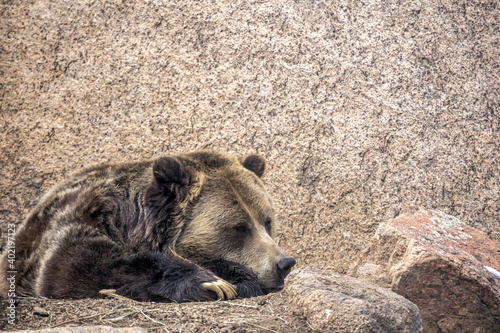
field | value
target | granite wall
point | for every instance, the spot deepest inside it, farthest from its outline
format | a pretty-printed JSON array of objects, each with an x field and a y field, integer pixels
[{"x": 363, "y": 109}]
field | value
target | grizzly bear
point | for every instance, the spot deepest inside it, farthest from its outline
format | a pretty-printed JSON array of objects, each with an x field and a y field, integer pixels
[{"x": 190, "y": 227}]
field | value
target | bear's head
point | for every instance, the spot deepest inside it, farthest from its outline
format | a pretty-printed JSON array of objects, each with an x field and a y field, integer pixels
[{"x": 222, "y": 212}]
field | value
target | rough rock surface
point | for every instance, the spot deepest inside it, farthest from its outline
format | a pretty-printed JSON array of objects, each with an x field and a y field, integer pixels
[
  {"x": 447, "y": 268},
  {"x": 364, "y": 109},
  {"x": 340, "y": 303}
]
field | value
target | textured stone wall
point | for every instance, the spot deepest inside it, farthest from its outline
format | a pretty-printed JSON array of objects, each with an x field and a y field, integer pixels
[{"x": 363, "y": 109}]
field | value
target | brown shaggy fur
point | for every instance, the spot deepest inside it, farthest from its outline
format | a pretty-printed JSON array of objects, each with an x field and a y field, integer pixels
[{"x": 190, "y": 227}]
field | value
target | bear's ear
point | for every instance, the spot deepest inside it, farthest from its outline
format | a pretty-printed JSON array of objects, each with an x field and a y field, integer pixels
[
  {"x": 171, "y": 181},
  {"x": 255, "y": 163}
]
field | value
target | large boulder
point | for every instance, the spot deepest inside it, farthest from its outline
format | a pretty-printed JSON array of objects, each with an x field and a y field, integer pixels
[
  {"x": 447, "y": 268},
  {"x": 340, "y": 303}
]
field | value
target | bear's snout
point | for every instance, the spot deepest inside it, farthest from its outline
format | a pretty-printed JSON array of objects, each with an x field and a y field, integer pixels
[{"x": 284, "y": 266}]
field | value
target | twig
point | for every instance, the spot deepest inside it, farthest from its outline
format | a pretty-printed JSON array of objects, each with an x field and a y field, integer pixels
[
  {"x": 70, "y": 314},
  {"x": 242, "y": 318},
  {"x": 242, "y": 305},
  {"x": 307, "y": 322},
  {"x": 107, "y": 322},
  {"x": 154, "y": 320}
]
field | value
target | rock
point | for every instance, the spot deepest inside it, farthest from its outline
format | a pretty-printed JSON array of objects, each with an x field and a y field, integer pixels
[
  {"x": 40, "y": 311},
  {"x": 447, "y": 268},
  {"x": 340, "y": 303},
  {"x": 89, "y": 329}
]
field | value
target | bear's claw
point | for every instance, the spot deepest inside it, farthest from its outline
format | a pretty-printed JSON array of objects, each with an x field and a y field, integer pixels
[{"x": 221, "y": 288}]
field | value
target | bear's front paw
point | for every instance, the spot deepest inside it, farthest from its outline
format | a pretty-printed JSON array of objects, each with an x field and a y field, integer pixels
[{"x": 222, "y": 288}]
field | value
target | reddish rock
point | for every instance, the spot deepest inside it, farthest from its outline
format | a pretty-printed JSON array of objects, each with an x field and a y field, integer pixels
[
  {"x": 340, "y": 303},
  {"x": 447, "y": 268}
]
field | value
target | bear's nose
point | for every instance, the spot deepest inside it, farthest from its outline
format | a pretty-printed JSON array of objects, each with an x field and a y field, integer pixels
[{"x": 285, "y": 265}]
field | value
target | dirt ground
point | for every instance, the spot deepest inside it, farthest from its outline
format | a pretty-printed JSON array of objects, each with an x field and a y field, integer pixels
[{"x": 270, "y": 313}]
